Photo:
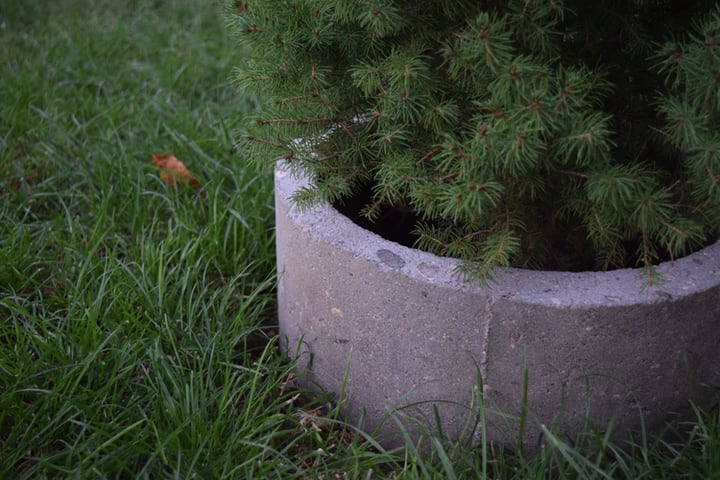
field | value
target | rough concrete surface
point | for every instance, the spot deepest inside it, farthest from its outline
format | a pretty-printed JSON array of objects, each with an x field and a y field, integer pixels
[{"x": 396, "y": 331}]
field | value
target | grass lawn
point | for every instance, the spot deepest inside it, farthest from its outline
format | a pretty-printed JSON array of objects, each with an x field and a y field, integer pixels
[{"x": 136, "y": 318}]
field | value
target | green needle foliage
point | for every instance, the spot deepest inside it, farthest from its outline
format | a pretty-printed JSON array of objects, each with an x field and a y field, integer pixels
[{"x": 555, "y": 134}]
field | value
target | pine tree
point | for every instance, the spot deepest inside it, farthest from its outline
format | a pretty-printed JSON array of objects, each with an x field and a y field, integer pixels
[{"x": 535, "y": 133}]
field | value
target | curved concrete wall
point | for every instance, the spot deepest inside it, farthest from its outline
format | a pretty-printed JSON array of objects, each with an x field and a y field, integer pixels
[{"x": 597, "y": 346}]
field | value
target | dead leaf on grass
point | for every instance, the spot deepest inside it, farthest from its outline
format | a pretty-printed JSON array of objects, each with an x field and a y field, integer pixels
[{"x": 173, "y": 172}]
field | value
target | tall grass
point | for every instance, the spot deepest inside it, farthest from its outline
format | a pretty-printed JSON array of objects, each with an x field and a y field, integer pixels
[{"x": 137, "y": 319}]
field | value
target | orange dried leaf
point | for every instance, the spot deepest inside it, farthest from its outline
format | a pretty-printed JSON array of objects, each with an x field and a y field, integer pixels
[{"x": 173, "y": 172}]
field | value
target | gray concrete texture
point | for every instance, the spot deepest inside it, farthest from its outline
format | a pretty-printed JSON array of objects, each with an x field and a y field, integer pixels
[{"x": 397, "y": 331}]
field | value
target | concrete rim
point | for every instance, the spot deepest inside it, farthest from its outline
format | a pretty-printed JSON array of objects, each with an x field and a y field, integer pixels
[{"x": 688, "y": 275}]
